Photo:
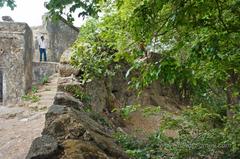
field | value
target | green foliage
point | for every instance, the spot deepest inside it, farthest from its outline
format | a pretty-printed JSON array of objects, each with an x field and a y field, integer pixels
[
  {"x": 199, "y": 133},
  {"x": 99, "y": 118},
  {"x": 127, "y": 110},
  {"x": 93, "y": 52},
  {"x": 78, "y": 93},
  {"x": 34, "y": 89},
  {"x": 192, "y": 46},
  {"x": 10, "y": 3},
  {"x": 31, "y": 97},
  {"x": 44, "y": 80},
  {"x": 84, "y": 8},
  {"x": 195, "y": 44},
  {"x": 133, "y": 147},
  {"x": 151, "y": 110}
]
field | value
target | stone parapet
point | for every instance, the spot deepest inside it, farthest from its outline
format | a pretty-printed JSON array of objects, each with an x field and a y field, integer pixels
[{"x": 43, "y": 70}]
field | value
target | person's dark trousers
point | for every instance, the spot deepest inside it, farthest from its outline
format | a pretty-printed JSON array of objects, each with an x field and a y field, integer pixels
[{"x": 43, "y": 53}]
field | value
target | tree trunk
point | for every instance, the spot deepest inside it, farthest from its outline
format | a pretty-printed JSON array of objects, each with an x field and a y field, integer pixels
[{"x": 232, "y": 98}]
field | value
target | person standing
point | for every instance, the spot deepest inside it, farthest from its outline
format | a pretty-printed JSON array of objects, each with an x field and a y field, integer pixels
[{"x": 42, "y": 48}]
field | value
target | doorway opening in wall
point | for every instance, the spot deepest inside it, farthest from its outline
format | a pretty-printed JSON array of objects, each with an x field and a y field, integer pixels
[{"x": 1, "y": 87}]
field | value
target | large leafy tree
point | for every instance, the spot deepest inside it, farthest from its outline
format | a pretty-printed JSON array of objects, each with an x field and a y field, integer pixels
[
  {"x": 9, "y": 3},
  {"x": 196, "y": 41},
  {"x": 69, "y": 7},
  {"x": 191, "y": 45}
]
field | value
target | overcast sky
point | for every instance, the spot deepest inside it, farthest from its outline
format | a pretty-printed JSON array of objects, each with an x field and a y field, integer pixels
[{"x": 29, "y": 11}]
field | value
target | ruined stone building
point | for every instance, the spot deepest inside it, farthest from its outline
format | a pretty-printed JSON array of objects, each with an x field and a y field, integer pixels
[
  {"x": 19, "y": 55},
  {"x": 59, "y": 36},
  {"x": 15, "y": 61}
]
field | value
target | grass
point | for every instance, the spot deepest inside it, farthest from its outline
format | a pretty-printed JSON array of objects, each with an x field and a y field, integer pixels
[
  {"x": 44, "y": 80},
  {"x": 34, "y": 89},
  {"x": 78, "y": 93},
  {"x": 31, "y": 97}
]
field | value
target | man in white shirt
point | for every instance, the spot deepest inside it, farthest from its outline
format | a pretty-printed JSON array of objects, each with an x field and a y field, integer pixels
[{"x": 42, "y": 47}]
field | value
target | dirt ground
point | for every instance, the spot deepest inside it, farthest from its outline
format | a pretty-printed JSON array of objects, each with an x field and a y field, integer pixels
[
  {"x": 21, "y": 124},
  {"x": 141, "y": 125}
]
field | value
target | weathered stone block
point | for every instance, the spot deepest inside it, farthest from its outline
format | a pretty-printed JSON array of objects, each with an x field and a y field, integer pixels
[{"x": 15, "y": 60}]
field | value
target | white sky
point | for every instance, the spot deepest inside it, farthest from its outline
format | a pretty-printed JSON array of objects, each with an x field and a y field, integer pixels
[{"x": 29, "y": 11}]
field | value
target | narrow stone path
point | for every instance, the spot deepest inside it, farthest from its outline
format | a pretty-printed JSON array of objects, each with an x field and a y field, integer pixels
[{"x": 21, "y": 124}]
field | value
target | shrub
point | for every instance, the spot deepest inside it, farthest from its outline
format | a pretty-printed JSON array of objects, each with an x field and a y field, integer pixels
[
  {"x": 44, "y": 80},
  {"x": 77, "y": 93},
  {"x": 197, "y": 136},
  {"x": 30, "y": 97},
  {"x": 127, "y": 110},
  {"x": 34, "y": 89}
]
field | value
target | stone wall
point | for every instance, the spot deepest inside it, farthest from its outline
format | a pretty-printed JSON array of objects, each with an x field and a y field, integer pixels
[
  {"x": 43, "y": 69},
  {"x": 15, "y": 60},
  {"x": 59, "y": 36},
  {"x": 72, "y": 133}
]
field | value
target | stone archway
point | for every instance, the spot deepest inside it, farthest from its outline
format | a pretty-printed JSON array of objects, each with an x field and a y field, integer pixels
[{"x": 1, "y": 86}]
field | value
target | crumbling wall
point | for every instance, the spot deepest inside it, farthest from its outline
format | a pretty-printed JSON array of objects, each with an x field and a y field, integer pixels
[
  {"x": 15, "y": 60},
  {"x": 59, "y": 36}
]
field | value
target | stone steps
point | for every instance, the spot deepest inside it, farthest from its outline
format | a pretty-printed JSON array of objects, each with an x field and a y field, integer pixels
[{"x": 20, "y": 125}]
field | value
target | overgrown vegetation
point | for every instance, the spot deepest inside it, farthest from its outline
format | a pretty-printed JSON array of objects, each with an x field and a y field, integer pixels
[
  {"x": 34, "y": 89},
  {"x": 126, "y": 111},
  {"x": 44, "y": 80},
  {"x": 199, "y": 133},
  {"x": 31, "y": 96},
  {"x": 192, "y": 46},
  {"x": 99, "y": 118},
  {"x": 78, "y": 93}
]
